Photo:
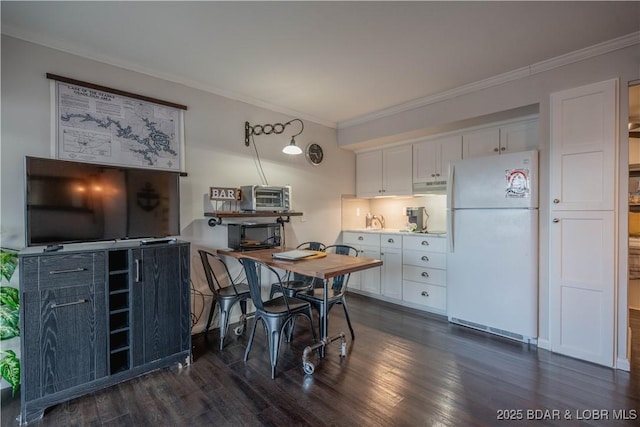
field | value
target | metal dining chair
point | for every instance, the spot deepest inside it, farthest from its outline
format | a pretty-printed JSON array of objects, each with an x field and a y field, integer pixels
[
  {"x": 337, "y": 291},
  {"x": 276, "y": 314},
  {"x": 297, "y": 282},
  {"x": 226, "y": 293}
]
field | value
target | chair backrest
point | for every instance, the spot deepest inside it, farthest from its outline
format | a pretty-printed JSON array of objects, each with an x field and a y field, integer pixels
[
  {"x": 312, "y": 246},
  {"x": 340, "y": 282},
  {"x": 216, "y": 272},
  {"x": 251, "y": 269}
]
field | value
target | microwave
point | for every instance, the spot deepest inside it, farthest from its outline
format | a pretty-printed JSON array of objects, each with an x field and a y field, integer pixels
[
  {"x": 265, "y": 198},
  {"x": 247, "y": 237}
]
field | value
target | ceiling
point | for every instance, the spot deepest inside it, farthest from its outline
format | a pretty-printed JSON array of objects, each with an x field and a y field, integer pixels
[{"x": 329, "y": 62}]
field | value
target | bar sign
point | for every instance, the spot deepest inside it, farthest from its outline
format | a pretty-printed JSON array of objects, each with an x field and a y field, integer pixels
[{"x": 220, "y": 193}]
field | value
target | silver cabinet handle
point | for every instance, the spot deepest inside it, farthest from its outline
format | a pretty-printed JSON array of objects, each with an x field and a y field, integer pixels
[
  {"x": 138, "y": 277},
  {"x": 66, "y": 304},
  {"x": 424, "y": 293},
  {"x": 425, "y": 258},
  {"x": 71, "y": 270},
  {"x": 425, "y": 243},
  {"x": 556, "y": 201},
  {"x": 556, "y": 220},
  {"x": 425, "y": 274}
]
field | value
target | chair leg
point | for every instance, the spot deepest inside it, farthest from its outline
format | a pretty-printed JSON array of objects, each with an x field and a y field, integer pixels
[
  {"x": 224, "y": 322},
  {"x": 211, "y": 311},
  {"x": 250, "y": 343},
  {"x": 313, "y": 331},
  {"x": 346, "y": 315},
  {"x": 274, "y": 346}
]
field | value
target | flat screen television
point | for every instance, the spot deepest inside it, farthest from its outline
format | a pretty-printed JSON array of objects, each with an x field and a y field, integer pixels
[{"x": 70, "y": 202}]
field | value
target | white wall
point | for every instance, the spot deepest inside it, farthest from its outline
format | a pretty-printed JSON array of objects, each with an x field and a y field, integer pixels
[
  {"x": 515, "y": 96},
  {"x": 215, "y": 150}
]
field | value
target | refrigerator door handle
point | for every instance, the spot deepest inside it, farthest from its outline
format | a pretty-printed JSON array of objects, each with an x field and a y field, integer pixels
[
  {"x": 450, "y": 214},
  {"x": 450, "y": 187},
  {"x": 450, "y": 207}
]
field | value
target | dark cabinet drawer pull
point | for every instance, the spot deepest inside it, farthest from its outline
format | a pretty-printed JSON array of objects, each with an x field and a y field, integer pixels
[
  {"x": 425, "y": 243},
  {"x": 80, "y": 301},
  {"x": 425, "y": 258},
  {"x": 425, "y": 274},
  {"x": 71, "y": 270},
  {"x": 424, "y": 293}
]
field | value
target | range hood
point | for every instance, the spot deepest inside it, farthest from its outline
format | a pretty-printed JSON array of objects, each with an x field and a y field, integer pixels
[{"x": 430, "y": 187}]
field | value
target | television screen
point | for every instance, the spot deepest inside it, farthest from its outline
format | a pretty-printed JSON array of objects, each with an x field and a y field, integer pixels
[{"x": 81, "y": 202}]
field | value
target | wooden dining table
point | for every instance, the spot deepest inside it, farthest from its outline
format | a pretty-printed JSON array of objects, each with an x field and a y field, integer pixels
[{"x": 324, "y": 268}]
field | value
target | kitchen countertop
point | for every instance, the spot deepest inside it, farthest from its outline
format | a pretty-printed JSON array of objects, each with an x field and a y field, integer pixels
[{"x": 395, "y": 231}]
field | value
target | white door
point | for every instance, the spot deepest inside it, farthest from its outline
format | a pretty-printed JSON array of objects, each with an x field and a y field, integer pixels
[
  {"x": 582, "y": 283},
  {"x": 582, "y": 236}
]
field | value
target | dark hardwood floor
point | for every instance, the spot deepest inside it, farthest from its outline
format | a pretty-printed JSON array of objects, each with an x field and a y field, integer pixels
[{"x": 405, "y": 368}]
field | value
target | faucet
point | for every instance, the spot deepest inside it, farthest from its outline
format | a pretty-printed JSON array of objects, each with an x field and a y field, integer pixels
[{"x": 380, "y": 220}]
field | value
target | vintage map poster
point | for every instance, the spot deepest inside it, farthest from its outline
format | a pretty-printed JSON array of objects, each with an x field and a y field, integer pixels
[{"x": 103, "y": 127}]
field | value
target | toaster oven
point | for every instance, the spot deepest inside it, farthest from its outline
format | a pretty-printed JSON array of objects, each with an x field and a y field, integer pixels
[{"x": 265, "y": 198}]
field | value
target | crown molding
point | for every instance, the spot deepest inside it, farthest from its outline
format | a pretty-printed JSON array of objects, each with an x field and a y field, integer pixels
[
  {"x": 536, "y": 68},
  {"x": 108, "y": 60}
]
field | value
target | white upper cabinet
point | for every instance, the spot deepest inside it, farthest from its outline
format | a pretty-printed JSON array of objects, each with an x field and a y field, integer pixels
[
  {"x": 431, "y": 159},
  {"x": 507, "y": 138},
  {"x": 384, "y": 172}
]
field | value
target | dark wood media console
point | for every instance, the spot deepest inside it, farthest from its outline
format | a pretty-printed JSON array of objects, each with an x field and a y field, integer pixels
[{"x": 94, "y": 315}]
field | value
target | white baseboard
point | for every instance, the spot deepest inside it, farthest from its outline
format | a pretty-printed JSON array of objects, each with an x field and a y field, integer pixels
[
  {"x": 623, "y": 364},
  {"x": 544, "y": 344}
]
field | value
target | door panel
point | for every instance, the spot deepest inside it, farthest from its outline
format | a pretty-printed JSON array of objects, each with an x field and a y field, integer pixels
[{"x": 581, "y": 293}]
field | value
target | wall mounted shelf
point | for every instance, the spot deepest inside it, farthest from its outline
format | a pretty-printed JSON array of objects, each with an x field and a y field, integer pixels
[{"x": 215, "y": 218}]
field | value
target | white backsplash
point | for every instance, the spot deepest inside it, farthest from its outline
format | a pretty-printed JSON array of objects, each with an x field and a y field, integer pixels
[{"x": 354, "y": 211}]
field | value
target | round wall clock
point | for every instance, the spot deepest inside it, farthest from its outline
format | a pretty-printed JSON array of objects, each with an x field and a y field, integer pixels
[{"x": 314, "y": 153}]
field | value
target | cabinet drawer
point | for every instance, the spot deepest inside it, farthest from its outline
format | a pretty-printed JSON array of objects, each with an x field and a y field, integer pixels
[
  {"x": 425, "y": 259},
  {"x": 358, "y": 239},
  {"x": 71, "y": 269},
  {"x": 390, "y": 241},
  {"x": 426, "y": 295},
  {"x": 424, "y": 275},
  {"x": 425, "y": 243}
]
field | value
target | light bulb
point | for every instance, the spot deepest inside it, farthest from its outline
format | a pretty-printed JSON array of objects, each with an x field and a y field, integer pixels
[{"x": 292, "y": 148}]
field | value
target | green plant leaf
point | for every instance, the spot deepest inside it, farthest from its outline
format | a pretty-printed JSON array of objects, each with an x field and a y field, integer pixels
[
  {"x": 10, "y": 369},
  {"x": 9, "y": 296},
  {"x": 9, "y": 323},
  {"x": 8, "y": 264}
]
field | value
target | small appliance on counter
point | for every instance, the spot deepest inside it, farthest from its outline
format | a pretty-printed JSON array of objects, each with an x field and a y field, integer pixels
[{"x": 419, "y": 217}]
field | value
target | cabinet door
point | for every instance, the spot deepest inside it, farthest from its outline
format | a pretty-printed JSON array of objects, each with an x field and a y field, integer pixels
[
  {"x": 369, "y": 174},
  {"x": 449, "y": 149},
  {"x": 581, "y": 275},
  {"x": 397, "y": 173},
  {"x": 72, "y": 337},
  {"x": 160, "y": 303},
  {"x": 391, "y": 273},
  {"x": 370, "y": 278},
  {"x": 480, "y": 143},
  {"x": 520, "y": 136},
  {"x": 583, "y": 146},
  {"x": 63, "y": 322}
]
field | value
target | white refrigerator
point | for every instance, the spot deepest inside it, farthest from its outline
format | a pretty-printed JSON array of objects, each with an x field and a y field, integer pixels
[{"x": 492, "y": 232}]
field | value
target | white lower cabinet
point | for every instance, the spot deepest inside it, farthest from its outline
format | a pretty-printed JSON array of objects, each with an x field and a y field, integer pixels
[
  {"x": 391, "y": 270},
  {"x": 413, "y": 273},
  {"x": 368, "y": 246},
  {"x": 424, "y": 272}
]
